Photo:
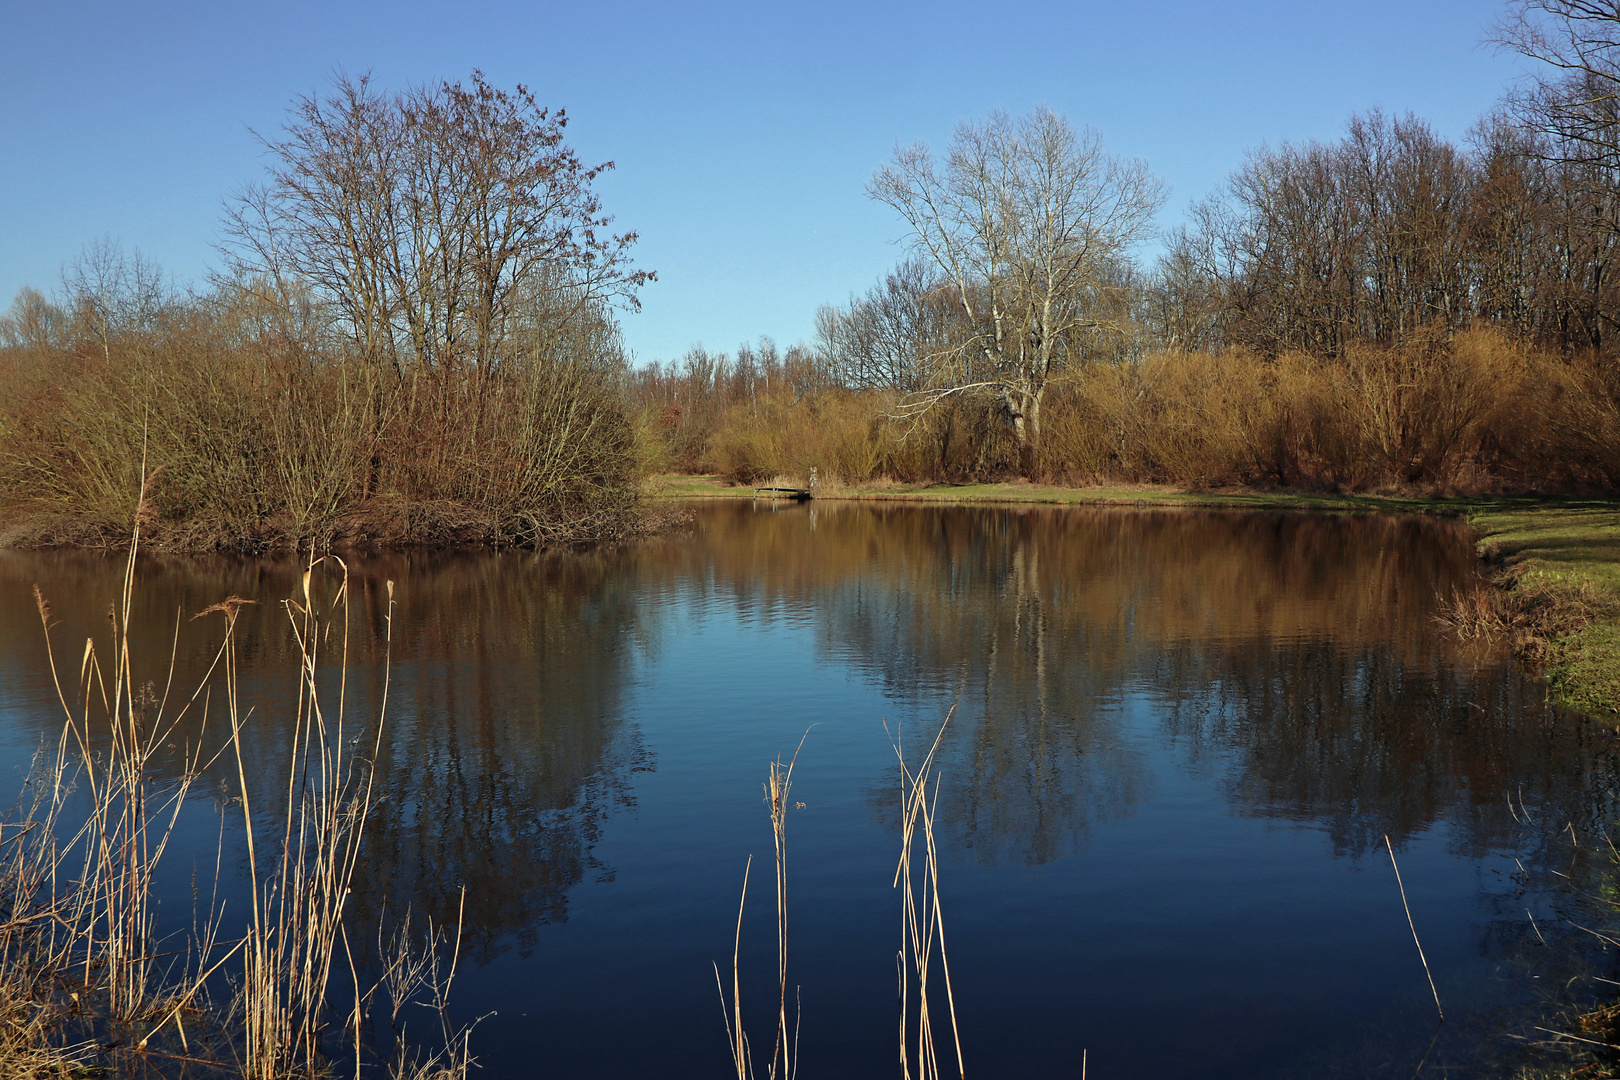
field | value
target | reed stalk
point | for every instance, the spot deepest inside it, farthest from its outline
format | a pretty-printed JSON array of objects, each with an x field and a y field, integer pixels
[
  {"x": 922, "y": 924},
  {"x": 785, "y": 1048},
  {"x": 298, "y": 902},
  {"x": 1401, "y": 885},
  {"x": 777, "y": 786},
  {"x": 86, "y": 980},
  {"x": 922, "y": 927},
  {"x": 736, "y": 1036}
]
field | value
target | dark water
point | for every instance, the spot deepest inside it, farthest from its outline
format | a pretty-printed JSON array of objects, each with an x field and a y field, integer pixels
[{"x": 1179, "y": 741}]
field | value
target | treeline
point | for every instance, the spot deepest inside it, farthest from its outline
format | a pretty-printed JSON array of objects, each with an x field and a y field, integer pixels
[
  {"x": 412, "y": 341},
  {"x": 413, "y": 336},
  {"x": 1392, "y": 231},
  {"x": 1384, "y": 310}
]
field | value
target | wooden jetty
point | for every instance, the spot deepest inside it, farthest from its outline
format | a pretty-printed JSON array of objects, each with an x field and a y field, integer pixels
[{"x": 796, "y": 494}]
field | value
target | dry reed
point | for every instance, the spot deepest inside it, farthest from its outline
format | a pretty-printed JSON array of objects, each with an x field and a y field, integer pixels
[
  {"x": 1401, "y": 885},
  {"x": 922, "y": 924},
  {"x": 1530, "y": 613},
  {"x": 922, "y": 928},
  {"x": 784, "y": 1051},
  {"x": 83, "y": 984}
]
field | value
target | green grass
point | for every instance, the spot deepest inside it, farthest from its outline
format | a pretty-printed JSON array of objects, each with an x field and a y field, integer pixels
[
  {"x": 1553, "y": 541},
  {"x": 675, "y": 486},
  {"x": 1565, "y": 542}
]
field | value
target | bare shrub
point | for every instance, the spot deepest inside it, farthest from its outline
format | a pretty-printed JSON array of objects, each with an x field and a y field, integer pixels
[
  {"x": 1532, "y": 613},
  {"x": 259, "y": 441}
]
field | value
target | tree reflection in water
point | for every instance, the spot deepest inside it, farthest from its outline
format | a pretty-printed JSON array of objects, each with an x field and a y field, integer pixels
[
  {"x": 1096, "y": 658},
  {"x": 1292, "y": 653},
  {"x": 504, "y": 746},
  {"x": 1295, "y": 653}
]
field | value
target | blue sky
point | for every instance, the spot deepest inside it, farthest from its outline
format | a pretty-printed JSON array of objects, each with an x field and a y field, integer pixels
[{"x": 743, "y": 134}]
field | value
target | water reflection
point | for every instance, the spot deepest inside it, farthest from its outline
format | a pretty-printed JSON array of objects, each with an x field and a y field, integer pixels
[
  {"x": 1355, "y": 739},
  {"x": 1252, "y": 667},
  {"x": 1294, "y": 654},
  {"x": 504, "y": 745}
]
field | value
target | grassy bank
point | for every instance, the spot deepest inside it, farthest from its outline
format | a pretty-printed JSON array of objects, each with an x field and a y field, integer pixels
[
  {"x": 1570, "y": 548},
  {"x": 1554, "y": 562},
  {"x": 1131, "y": 495}
]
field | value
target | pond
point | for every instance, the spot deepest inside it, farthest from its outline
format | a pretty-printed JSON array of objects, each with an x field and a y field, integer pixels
[{"x": 1179, "y": 741}]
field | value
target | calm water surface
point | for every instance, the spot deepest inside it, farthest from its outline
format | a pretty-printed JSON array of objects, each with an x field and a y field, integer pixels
[{"x": 1179, "y": 741}]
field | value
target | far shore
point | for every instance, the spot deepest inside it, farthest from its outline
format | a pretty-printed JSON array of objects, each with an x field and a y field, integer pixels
[{"x": 1549, "y": 565}]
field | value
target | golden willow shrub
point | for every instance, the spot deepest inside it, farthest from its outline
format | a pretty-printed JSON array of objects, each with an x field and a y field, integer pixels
[
  {"x": 1477, "y": 412},
  {"x": 1474, "y": 412},
  {"x": 258, "y": 438},
  {"x": 841, "y": 435}
]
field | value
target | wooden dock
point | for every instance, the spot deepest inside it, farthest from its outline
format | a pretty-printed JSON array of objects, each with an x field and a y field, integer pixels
[{"x": 796, "y": 494}]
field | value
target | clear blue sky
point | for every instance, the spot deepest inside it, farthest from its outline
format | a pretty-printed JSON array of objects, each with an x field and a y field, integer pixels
[{"x": 743, "y": 134}]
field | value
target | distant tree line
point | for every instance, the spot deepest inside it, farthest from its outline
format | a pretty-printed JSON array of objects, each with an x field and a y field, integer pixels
[
  {"x": 1392, "y": 232},
  {"x": 1387, "y": 309}
]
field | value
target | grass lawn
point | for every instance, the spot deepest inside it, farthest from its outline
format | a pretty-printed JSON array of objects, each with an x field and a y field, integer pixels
[{"x": 1552, "y": 541}]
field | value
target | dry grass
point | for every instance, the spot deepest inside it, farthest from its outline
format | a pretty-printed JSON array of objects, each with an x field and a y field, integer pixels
[
  {"x": 784, "y": 1050},
  {"x": 1531, "y": 613},
  {"x": 88, "y": 979},
  {"x": 922, "y": 934},
  {"x": 1586, "y": 1045}
]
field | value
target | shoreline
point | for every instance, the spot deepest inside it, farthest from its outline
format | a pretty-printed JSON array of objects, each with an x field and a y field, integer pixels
[{"x": 1131, "y": 496}]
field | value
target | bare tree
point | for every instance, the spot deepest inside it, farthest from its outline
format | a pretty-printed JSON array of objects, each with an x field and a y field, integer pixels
[
  {"x": 1321, "y": 245},
  {"x": 1572, "y": 105},
  {"x": 1577, "y": 96},
  {"x": 111, "y": 292},
  {"x": 1029, "y": 221},
  {"x": 428, "y": 218},
  {"x": 32, "y": 322},
  {"x": 884, "y": 338}
]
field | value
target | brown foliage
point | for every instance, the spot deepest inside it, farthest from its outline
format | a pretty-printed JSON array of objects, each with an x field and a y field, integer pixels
[
  {"x": 255, "y": 434},
  {"x": 1472, "y": 412},
  {"x": 1532, "y": 615},
  {"x": 1431, "y": 415}
]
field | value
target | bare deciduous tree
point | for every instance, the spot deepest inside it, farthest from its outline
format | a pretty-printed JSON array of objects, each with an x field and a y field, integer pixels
[
  {"x": 1030, "y": 222},
  {"x": 32, "y": 322},
  {"x": 111, "y": 292},
  {"x": 883, "y": 340},
  {"x": 429, "y": 218},
  {"x": 1322, "y": 245},
  {"x": 1579, "y": 97},
  {"x": 1572, "y": 107}
]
